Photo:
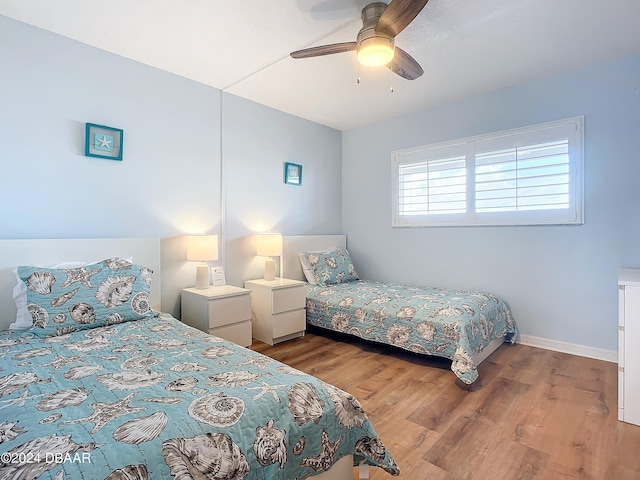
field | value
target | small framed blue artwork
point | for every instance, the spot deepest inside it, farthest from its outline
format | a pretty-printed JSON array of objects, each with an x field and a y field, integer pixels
[
  {"x": 103, "y": 142},
  {"x": 293, "y": 173}
]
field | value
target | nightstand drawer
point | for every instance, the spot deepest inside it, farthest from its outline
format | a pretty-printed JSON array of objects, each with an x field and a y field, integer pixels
[
  {"x": 289, "y": 322},
  {"x": 239, "y": 333},
  {"x": 286, "y": 299},
  {"x": 229, "y": 310}
]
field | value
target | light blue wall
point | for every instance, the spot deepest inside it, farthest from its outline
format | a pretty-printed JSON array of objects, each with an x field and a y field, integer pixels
[
  {"x": 257, "y": 142},
  {"x": 49, "y": 87},
  {"x": 561, "y": 281},
  {"x": 180, "y": 139}
]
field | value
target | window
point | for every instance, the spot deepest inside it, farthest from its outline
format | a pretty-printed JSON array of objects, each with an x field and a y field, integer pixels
[{"x": 526, "y": 176}]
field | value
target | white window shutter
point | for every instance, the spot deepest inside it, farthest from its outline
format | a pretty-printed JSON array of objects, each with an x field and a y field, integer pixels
[{"x": 525, "y": 176}]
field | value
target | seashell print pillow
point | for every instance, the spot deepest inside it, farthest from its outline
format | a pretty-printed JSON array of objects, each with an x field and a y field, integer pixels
[
  {"x": 67, "y": 299},
  {"x": 328, "y": 268},
  {"x": 23, "y": 316}
]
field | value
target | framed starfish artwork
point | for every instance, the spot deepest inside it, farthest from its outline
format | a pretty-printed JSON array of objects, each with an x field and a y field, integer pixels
[
  {"x": 103, "y": 142},
  {"x": 293, "y": 173}
]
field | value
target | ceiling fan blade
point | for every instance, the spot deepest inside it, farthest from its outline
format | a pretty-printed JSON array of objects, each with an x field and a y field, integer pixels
[
  {"x": 324, "y": 50},
  {"x": 398, "y": 15},
  {"x": 404, "y": 65}
]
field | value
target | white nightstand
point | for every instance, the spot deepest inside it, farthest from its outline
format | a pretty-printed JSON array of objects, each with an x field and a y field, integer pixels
[
  {"x": 278, "y": 308},
  {"x": 224, "y": 311}
]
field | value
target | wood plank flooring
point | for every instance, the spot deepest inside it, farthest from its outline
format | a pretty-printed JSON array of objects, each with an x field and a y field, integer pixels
[{"x": 533, "y": 414}]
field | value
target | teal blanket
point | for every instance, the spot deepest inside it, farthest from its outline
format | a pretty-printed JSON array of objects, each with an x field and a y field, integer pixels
[
  {"x": 154, "y": 398},
  {"x": 454, "y": 324}
]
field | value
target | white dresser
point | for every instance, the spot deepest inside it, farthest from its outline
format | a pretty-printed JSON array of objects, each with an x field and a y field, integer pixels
[
  {"x": 278, "y": 308},
  {"x": 629, "y": 346}
]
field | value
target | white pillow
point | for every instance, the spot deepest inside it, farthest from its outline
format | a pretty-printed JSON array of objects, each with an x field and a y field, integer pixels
[{"x": 24, "y": 320}]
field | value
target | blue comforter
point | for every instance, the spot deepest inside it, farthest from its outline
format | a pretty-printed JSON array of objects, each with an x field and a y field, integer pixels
[
  {"x": 154, "y": 398},
  {"x": 455, "y": 324}
]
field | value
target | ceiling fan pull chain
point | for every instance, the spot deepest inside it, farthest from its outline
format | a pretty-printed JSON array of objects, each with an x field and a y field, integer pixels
[
  {"x": 358, "y": 74},
  {"x": 391, "y": 81}
]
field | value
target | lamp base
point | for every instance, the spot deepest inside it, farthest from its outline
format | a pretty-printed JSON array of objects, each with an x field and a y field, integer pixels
[
  {"x": 202, "y": 277},
  {"x": 269, "y": 270}
]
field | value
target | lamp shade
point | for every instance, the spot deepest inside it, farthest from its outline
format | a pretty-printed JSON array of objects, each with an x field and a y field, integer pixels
[
  {"x": 269, "y": 245},
  {"x": 202, "y": 248}
]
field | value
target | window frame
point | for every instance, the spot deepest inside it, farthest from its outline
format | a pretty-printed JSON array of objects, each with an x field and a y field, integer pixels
[{"x": 570, "y": 128}]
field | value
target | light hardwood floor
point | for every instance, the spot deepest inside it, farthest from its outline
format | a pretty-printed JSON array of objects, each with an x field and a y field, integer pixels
[{"x": 533, "y": 414}]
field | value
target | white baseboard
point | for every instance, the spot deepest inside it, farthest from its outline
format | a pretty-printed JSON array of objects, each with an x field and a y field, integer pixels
[{"x": 572, "y": 348}]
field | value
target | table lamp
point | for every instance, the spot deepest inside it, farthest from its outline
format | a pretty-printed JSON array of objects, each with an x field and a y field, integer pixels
[
  {"x": 202, "y": 248},
  {"x": 269, "y": 245}
]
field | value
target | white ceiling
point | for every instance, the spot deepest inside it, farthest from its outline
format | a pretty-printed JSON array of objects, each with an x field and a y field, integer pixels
[{"x": 466, "y": 47}]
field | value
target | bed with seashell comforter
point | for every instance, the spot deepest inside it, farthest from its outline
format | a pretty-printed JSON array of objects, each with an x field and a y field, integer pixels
[
  {"x": 461, "y": 325},
  {"x": 102, "y": 386},
  {"x": 454, "y": 324},
  {"x": 155, "y": 398}
]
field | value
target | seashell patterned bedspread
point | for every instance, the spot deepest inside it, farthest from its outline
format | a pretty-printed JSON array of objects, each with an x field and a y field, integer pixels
[
  {"x": 157, "y": 399},
  {"x": 455, "y": 324}
]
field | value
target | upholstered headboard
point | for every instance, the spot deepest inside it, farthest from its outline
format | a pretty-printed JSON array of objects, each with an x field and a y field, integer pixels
[
  {"x": 43, "y": 252},
  {"x": 294, "y": 245}
]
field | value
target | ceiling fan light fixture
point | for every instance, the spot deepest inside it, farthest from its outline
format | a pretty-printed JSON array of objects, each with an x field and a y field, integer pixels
[{"x": 375, "y": 51}]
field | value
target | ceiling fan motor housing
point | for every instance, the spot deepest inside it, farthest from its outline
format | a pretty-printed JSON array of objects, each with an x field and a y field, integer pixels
[
  {"x": 374, "y": 48},
  {"x": 371, "y": 13}
]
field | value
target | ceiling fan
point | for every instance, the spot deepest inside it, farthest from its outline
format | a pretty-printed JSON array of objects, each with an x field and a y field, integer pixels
[{"x": 375, "y": 45}]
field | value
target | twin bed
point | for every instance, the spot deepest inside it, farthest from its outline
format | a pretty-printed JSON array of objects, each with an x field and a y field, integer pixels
[
  {"x": 461, "y": 325},
  {"x": 105, "y": 387}
]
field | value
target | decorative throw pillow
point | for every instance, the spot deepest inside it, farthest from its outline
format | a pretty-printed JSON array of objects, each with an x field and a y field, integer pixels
[
  {"x": 24, "y": 321},
  {"x": 328, "y": 268},
  {"x": 104, "y": 293}
]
